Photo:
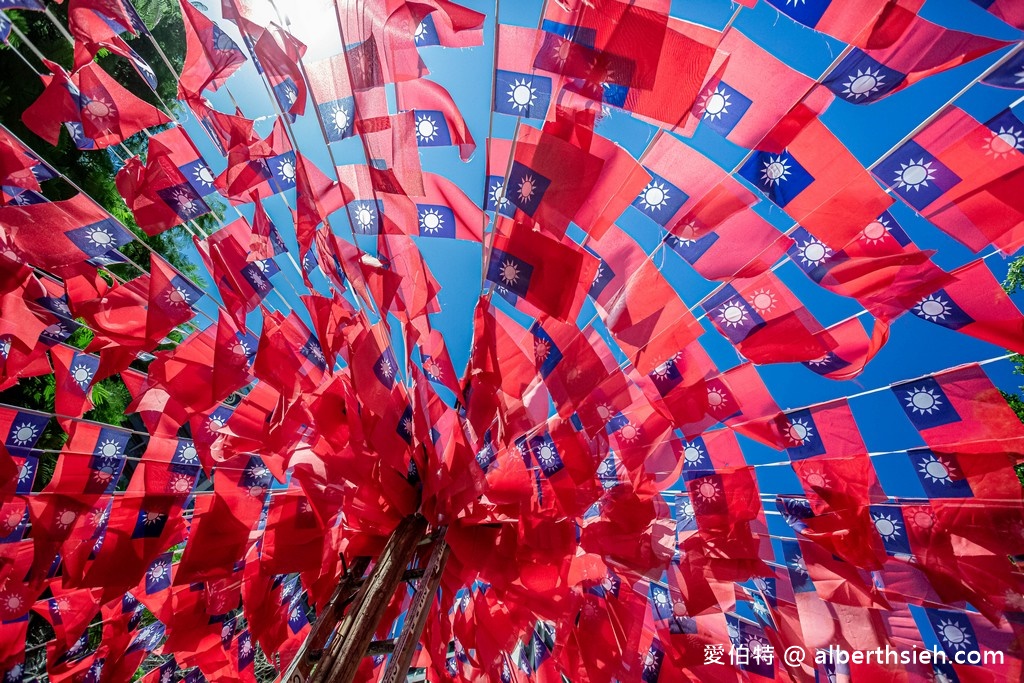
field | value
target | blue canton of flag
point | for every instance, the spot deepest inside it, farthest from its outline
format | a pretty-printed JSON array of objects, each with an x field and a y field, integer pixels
[
  {"x": 365, "y": 215},
  {"x": 385, "y": 368},
  {"x": 78, "y": 136},
  {"x": 614, "y": 94},
  {"x": 1007, "y": 134},
  {"x": 34, "y": 5},
  {"x": 312, "y": 351},
  {"x": 426, "y": 34},
  {"x": 309, "y": 262},
  {"x": 158, "y": 576},
  {"x": 794, "y": 558},
  {"x": 546, "y": 454},
  {"x": 660, "y": 200},
  {"x": 184, "y": 200},
  {"x": 732, "y": 315},
  {"x": 286, "y": 94},
  {"x": 404, "y": 426},
  {"x": 581, "y": 35},
  {"x": 691, "y": 250},
  {"x": 925, "y": 403},
  {"x": 436, "y": 220},
  {"x": 953, "y": 630},
  {"x": 527, "y": 188},
  {"x": 5, "y": 27},
  {"x": 108, "y": 458},
  {"x": 803, "y": 438},
  {"x": 282, "y": 169},
  {"x": 544, "y": 350},
  {"x": 604, "y": 275},
  {"x": 509, "y": 272},
  {"x": 686, "y": 519},
  {"x": 83, "y": 369},
  {"x": 199, "y": 176},
  {"x": 20, "y": 196},
  {"x": 337, "y": 117},
  {"x": 485, "y": 456},
  {"x": 495, "y": 200},
  {"x": 652, "y": 663},
  {"x": 723, "y": 107},
  {"x": 661, "y": 602},
  {"x": 666, "y": 376},
  {"x": 940, "y": 474},
  {"x": 16, "y": 532},
  {"x": 828, "y": 363},
  {"x": 26, "y": 472},
  {"x": 794, "y": 511},
  {"x": 694, "y": 454},
  {"x": 860, "y": 79},
  {"x": 607, "y": 472},
  {"x": 939, "y": 308},
  {"x": 519, "y": 94},
  {"x": 97, "y": 239},
  {"x": 806, "y": 12},
  {"x": 1009, "y": 75},
  {"x": 148, "y": 638},
  {"x": 810, "y": 254},
  {"x": 888, "y": 521},
  {"x": 915, "y": 175},
  {"x": 779, "y": 176},
  {"x": 431, "y": 128},
  {"x": 246, "y": 652}
]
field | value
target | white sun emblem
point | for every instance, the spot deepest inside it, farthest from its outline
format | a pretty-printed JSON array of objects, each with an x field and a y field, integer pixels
[
  {"x": 66, "y": 518},
  {"x": 733, "y": 313},
  {"x": 497, "y": 194},
  {"x": 661, "y": 599},
  {"x": 799, "y": 432},
  {"x": 546, "y": 455},
  {"x": 188, "y": 453},
  {"x": 1005, "y": 142},
  {"x": 24, "y": 472},
  {"x": 521, "y": 94},
  {"x": 109, "y": 449},
  {"x": 654, "y": 196},
  {"x": 864, "y": 83},
  {"x": 541, "y": 349},
  {"x": 151, "y": 518},
  {"x": 432, "y": 369},
  {"x": 178, "y": 296},
  {"x": 203, "y": 175},
  {"x": 406, "y": 425},
  {"x": 365, "y": 216},
  {"x": 914, "y": 174},
  {"x": 936, "y": 470},
  {"x": 933, "y": 307},
  {"x": 246, "y": 648},
  {"x": 286, "y": 169},
  {"x": 664, "y": 369},
  {"x": 527, "y": 186},
  {"x": 629, "y": 432},
  {"x": 99, "y": 110},
  {"x": 876, "y": 231},
  {"x": 509, "y": 272},
  {"x": 11, "y": 602},
  {"x": 431, "y": 221},
  {"x": 385, "y": 367},
  {"x": 100, "y": 237},
  {"x": 24, "y": 433},
  {"x": 340, "y": 118},
  {"x": 158, "y": 571},
  {"x": 290, "y": 95},
  {"x": 693, "y": 454},
  {"x": 923, "y": 401},
  {"x": 180, "y": 484},
  {"x": 185, "y": 202},
  {"x": 55, "y": 331},
  {"x": 686, "y": 511},
  {"x": 82, "y": 374},
  {"x": 426, "y": 128},
  {"x": 5, "y": 347},
  {"x": 763, "y": 300},
  {"x": 775, "y": 170},
  {"x": 420, "y": 32},
  {"x": 716, "y": 104},
  {"x": 707, "y": 491},
  {"x": 887, "y": 527},
  {"x": 813, "y": 252},
  {"x": 798, "y": 564},
  {"x": 716, "y": 398},
  {"x": 953, "y": 634},
  {"x": 816, "y": 479}
]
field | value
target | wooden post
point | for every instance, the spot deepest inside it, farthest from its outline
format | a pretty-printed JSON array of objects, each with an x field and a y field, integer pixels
[
  {"x": 355, "y": 634},
  {"x": 312, "y": 649},
  {"x": 416, "y": 617}
]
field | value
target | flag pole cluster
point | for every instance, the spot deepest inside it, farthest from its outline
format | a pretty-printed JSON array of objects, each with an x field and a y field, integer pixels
[{"x": 623, "y": 500}]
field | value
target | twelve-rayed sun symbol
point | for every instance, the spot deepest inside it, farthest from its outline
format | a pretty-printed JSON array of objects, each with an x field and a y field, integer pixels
[
  {"x": 813, "y": 251},
  {"x": 178, "y": 296},
  {"x": 876, "y": 231},
  {"x": 775, "y": 171},
  {"x": 100, "y": 238},
  {"x": 816, "y": 478},
  {"x": 24, "y": 433},
  {"x": 521, "y": 94},
  {"x": 527, "y": 186},
  {"x": 185, "y": 202},
  {"x": 365, "y": 216},
  {"x": 203, "y": 175},
  {"x": 385, "y": 367},
  {"x": 509, "y": 272},
  {"x": 286, "y": 169},
  {"x": 339, "y": 118},
  {"x": 99, "y": 110},
  {"x": 953, "y": 634},
  {"x": 541, "y": 349},
  {"x": 546, "y": 454},
  {"x": 654, "y": 196},
  {"x": 716, "y": 104},
  {"x": 81, "y": 374},
  {"x": 914, "y": 174},
  {"x": 496, "y": 193},
  {"x": 431, "y": 221},
  {"x": 887, "y": 527},
  {"x": 864, "y": 83},
  {"x": 707, "y": 491},
  {"x": 716, "y": 398},
  {"x": 923, "y": 400},
  {"x": 693, "y": 454},
  {"x": 426, "y": 128},
  {"x": 763, "y": 300},
  {"x": 799, "y": 431},
  {"x": 1005, "y": 142},
  {"x": 733, "y": 313},
  {"x": 629, "y": 432},
  {"x": 933, "y": 307},
  {"x": 936, "y": 470}
]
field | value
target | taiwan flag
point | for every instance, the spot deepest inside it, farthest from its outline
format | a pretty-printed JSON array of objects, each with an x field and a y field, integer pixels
[
  {"x": 331, "y": 90},
  {"x": 495, "y": 197},
  {"x": 211, "y": 55},
  {"x": 957, "y": 407},
  {"x": 539, "y": 269},
  {"x": 157, "y": 192},
  {"x": 741, "y": 246},
  {"x": 439, "y": 122},
  {"x": 688, "y": 194},
  {"x": 518, "y": 90},
  {"x": 280, "y": 54},
  {"x": 753, "y": 93},
  {"x": 445, "y": 211},
  {"x": 1009, "y": 75},
  {"x": 820, "y": 184},
  {"x": 923, "y": 48},
  {"x": 176, "y": 145},
  {"x": 449, "y": 25},
  {"x": 857, "y": 24},
  {"x": 74, "y": 372},
  {"x": 975, "y": 304}
]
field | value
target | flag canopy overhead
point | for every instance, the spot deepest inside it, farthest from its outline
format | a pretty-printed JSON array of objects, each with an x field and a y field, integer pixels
[{"x": 684, "y": 323}]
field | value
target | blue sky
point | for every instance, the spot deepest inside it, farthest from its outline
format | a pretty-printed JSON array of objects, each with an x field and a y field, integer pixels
[{"x": 915, "y": 346}]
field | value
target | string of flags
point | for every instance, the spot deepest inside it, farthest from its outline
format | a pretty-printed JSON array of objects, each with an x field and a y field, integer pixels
[{"x": 627, "y": 490}]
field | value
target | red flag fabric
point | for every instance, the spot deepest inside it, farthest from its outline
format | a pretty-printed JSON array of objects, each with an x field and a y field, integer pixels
[
  {"x": 99, "y": 111},
  {"x": 210, "y": 54},
  {"x": 331, "y": 90},
  {"x": 279, "y": 53},
  {"x": 862, "y": 24},
  {"x": 963, "y": 176},
  {"x": 445, "y": 212},
  {"x": 158, "y": 194},
  {"x": 74, "y": 372},
  {"x": 446, "y": 23},
  {"x": 438, "y": 120},
  {"x": 741, "y": 246},
  {"x": 542, "y": 271},
  {"x": 975, "y": 304}
]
